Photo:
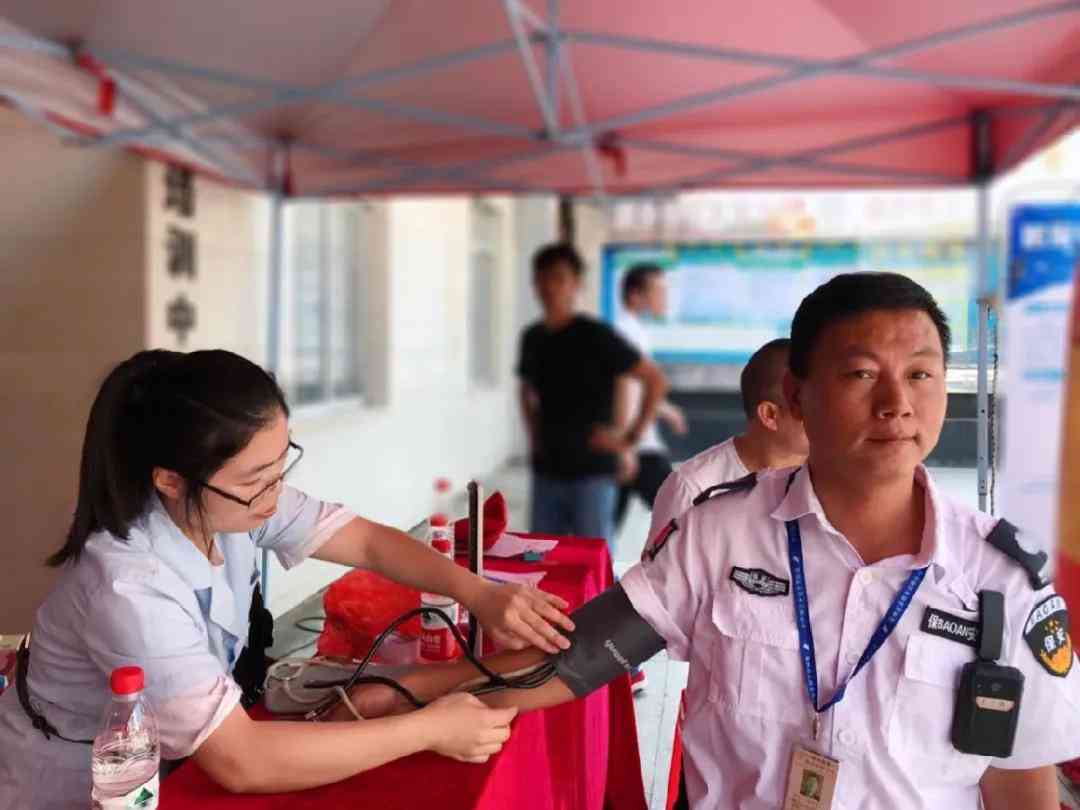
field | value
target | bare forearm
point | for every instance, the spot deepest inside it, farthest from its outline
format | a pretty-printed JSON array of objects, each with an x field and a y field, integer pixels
[
  {"x": 529, "y": 414},
  {"x": 365, "y": 544},
  {"x": 622, "y": 413},
  {"x": 656, "y": 388},
  {"x": 296, "y": 756},
  {"x": 432, "y": 681},
  {"x": 399, "y": 557},
  {"x": 1032, "y": 789}
]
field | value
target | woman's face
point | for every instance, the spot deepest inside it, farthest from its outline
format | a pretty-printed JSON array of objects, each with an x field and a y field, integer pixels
[{"x": 245, "y": 475}]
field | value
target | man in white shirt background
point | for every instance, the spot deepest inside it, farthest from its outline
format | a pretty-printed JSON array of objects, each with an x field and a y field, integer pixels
[
  {"x": 642, "y": 470},
  {"x": 773, "y": 439}
]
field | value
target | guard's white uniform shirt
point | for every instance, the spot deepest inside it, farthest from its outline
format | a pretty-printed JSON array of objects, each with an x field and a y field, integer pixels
[
  {"x": 718, "y": 464},
  {"x": 630, "y": 328},
  {"x": 747, "y": 703},
  {"x": 154, "y": 601}
]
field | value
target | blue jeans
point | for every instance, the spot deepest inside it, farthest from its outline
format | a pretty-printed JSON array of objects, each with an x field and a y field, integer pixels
[{"x": 582, "y": 507}]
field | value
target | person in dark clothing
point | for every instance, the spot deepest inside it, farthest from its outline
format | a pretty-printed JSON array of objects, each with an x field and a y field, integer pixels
[{"x": 568, "y": 365}]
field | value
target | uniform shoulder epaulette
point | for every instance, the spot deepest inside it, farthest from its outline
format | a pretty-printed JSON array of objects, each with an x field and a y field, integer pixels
[
  {"x": 1004, "y": 537},
  {"x": 744, "y": 484}
]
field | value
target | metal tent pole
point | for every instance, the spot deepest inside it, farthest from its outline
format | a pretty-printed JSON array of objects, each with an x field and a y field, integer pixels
[
  {"x": 276, "y": 271},
  {"x": 982, "y": 391},
  {"x": 982, "y": 160}
]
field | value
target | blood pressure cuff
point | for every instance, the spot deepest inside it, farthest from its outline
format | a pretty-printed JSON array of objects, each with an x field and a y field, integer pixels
[{"x": 609, "y": 639}]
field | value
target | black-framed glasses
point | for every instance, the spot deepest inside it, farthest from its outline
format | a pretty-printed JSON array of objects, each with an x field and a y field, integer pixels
[{"x": 290, "y": 463}]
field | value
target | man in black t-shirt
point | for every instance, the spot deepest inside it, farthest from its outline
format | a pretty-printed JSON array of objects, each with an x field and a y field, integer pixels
[{"x": 568, "y": 366}]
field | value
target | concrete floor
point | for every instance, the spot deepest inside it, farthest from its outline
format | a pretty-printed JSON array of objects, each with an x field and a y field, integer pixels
[{"x": 658, "y": 704}]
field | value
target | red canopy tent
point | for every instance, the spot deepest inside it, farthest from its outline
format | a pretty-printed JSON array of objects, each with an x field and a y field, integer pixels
[
  {"x": 596, "y": 97},
  {"x": 338, "y": 98}
]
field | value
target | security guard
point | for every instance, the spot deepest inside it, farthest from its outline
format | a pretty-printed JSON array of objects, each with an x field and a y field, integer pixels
[
  {"x": 773, "y": 439},
  {"x": 856, "y": 639}
]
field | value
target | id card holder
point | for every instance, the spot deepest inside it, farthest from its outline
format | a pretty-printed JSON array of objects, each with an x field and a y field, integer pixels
[{"x": 812, "y": 780}]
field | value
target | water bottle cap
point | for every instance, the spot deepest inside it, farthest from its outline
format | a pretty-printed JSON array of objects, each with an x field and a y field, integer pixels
[
  {"x": 442, "y": 484},
  {"x": 439, "y": 519},
  {"x": 126, "y": 680},
  {"x": 441, "y": 544}
]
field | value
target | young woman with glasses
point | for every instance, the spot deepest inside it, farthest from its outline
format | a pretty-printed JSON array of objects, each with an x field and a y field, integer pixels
[{"x": 182, "y": 485}]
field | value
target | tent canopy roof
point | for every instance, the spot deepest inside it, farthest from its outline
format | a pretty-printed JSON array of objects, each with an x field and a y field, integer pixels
[{"x": 334, "y": 97}]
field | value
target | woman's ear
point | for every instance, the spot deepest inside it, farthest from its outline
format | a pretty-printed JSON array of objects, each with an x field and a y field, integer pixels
[{"x": 168, "y": 483}]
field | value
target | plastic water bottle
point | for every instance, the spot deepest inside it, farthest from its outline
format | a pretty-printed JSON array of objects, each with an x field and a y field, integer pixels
[{"x": 126, "y": 755}]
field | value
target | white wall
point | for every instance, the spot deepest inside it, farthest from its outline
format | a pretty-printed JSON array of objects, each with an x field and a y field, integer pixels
[
  {"x": 71, "y": 306},
  {"x": 381, "y": 459},
  {"x": 229, "y": 292},
  {"x": 84, "y": 284}
]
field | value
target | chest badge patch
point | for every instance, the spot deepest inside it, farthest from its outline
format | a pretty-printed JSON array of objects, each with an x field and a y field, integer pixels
[
  {"x": 1046, "y": 632},
  {"x": 759, "y": 582},
  {"x": 954, "y": 628}
]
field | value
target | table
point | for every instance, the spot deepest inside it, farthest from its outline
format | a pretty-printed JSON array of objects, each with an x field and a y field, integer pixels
[{"x": 579, "y": 756}]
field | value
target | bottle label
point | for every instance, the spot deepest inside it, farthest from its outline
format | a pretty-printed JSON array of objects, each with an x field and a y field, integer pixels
[
  {"x": 144, "y": 797},
  {"x": 436, "y": 641}
]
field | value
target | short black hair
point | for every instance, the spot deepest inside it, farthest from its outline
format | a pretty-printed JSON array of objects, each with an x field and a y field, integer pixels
[
  {"x": 637, "y": 278},
  {"x": 850, "y": 294},
  {"x": 554, "y": 254},
  {"x": 762, "y": 376}
]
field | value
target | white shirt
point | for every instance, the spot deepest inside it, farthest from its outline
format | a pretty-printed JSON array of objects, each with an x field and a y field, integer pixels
[
  {"x": 156, "y": 602},
  {"x": 630, "y": 328},
  {"x": 747, "y": 703},
  {"x": 717, "y": 465}
]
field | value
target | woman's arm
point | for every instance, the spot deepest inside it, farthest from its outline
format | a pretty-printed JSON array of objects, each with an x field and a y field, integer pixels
[
  {"x": 248, "y": 757},
  {"x": 515, "y": 615}
]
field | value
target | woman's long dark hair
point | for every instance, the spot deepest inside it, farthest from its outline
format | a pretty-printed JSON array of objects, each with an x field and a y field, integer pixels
[{"x": 189, "y": 413}]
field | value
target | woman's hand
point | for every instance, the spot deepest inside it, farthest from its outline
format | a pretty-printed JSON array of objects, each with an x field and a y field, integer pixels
[
  {"x": 463, "y": 728},
  {"x": 517, "y": 616}
]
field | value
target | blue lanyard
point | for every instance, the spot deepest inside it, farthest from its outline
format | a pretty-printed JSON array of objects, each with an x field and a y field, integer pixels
[{"x": 806, "y": 634}]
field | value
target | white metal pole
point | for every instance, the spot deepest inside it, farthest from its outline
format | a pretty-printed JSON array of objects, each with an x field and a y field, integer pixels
[
  {"x": 982, "y": 395},
  {"x": 276, "y": 272}
]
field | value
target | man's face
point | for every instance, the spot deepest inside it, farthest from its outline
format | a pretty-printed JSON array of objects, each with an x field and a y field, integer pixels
[
  {"x": 656, "y": 295},
  {"x": 874, "y": 398},
  {"x": 557, "y": 287}
]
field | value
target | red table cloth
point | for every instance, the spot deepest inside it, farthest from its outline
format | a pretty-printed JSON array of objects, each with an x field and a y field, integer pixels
[{"x": 579, "y": 756}]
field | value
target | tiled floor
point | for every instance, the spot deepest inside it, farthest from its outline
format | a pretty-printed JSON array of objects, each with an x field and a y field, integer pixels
[{"x": 658, "y": 704}]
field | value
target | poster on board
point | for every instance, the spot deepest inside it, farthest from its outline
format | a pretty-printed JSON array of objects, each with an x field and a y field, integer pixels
[
  {"x": 1068, "y": 572},
  {"x": 1044, "y": 244},
  {"x": 726, "y": 299}
]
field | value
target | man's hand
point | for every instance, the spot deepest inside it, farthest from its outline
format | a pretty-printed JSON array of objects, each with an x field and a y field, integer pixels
[
  {"x": 626, "y": 467},
  {"x": 675, "y": 418},
  {"x": 606, "y": 439}
]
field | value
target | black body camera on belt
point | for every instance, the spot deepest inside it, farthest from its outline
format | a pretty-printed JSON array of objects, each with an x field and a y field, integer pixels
[{"x": 988, "y": 701}]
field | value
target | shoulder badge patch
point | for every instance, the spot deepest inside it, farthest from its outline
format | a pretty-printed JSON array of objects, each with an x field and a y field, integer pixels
[
  {"x": 1046, "y": 632},
  {"x": 738, "y": 485},
  {"x": 954, "y": 628},
  {"x": 759, "y": 582},
  {"x": 658, "y": 543}
]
